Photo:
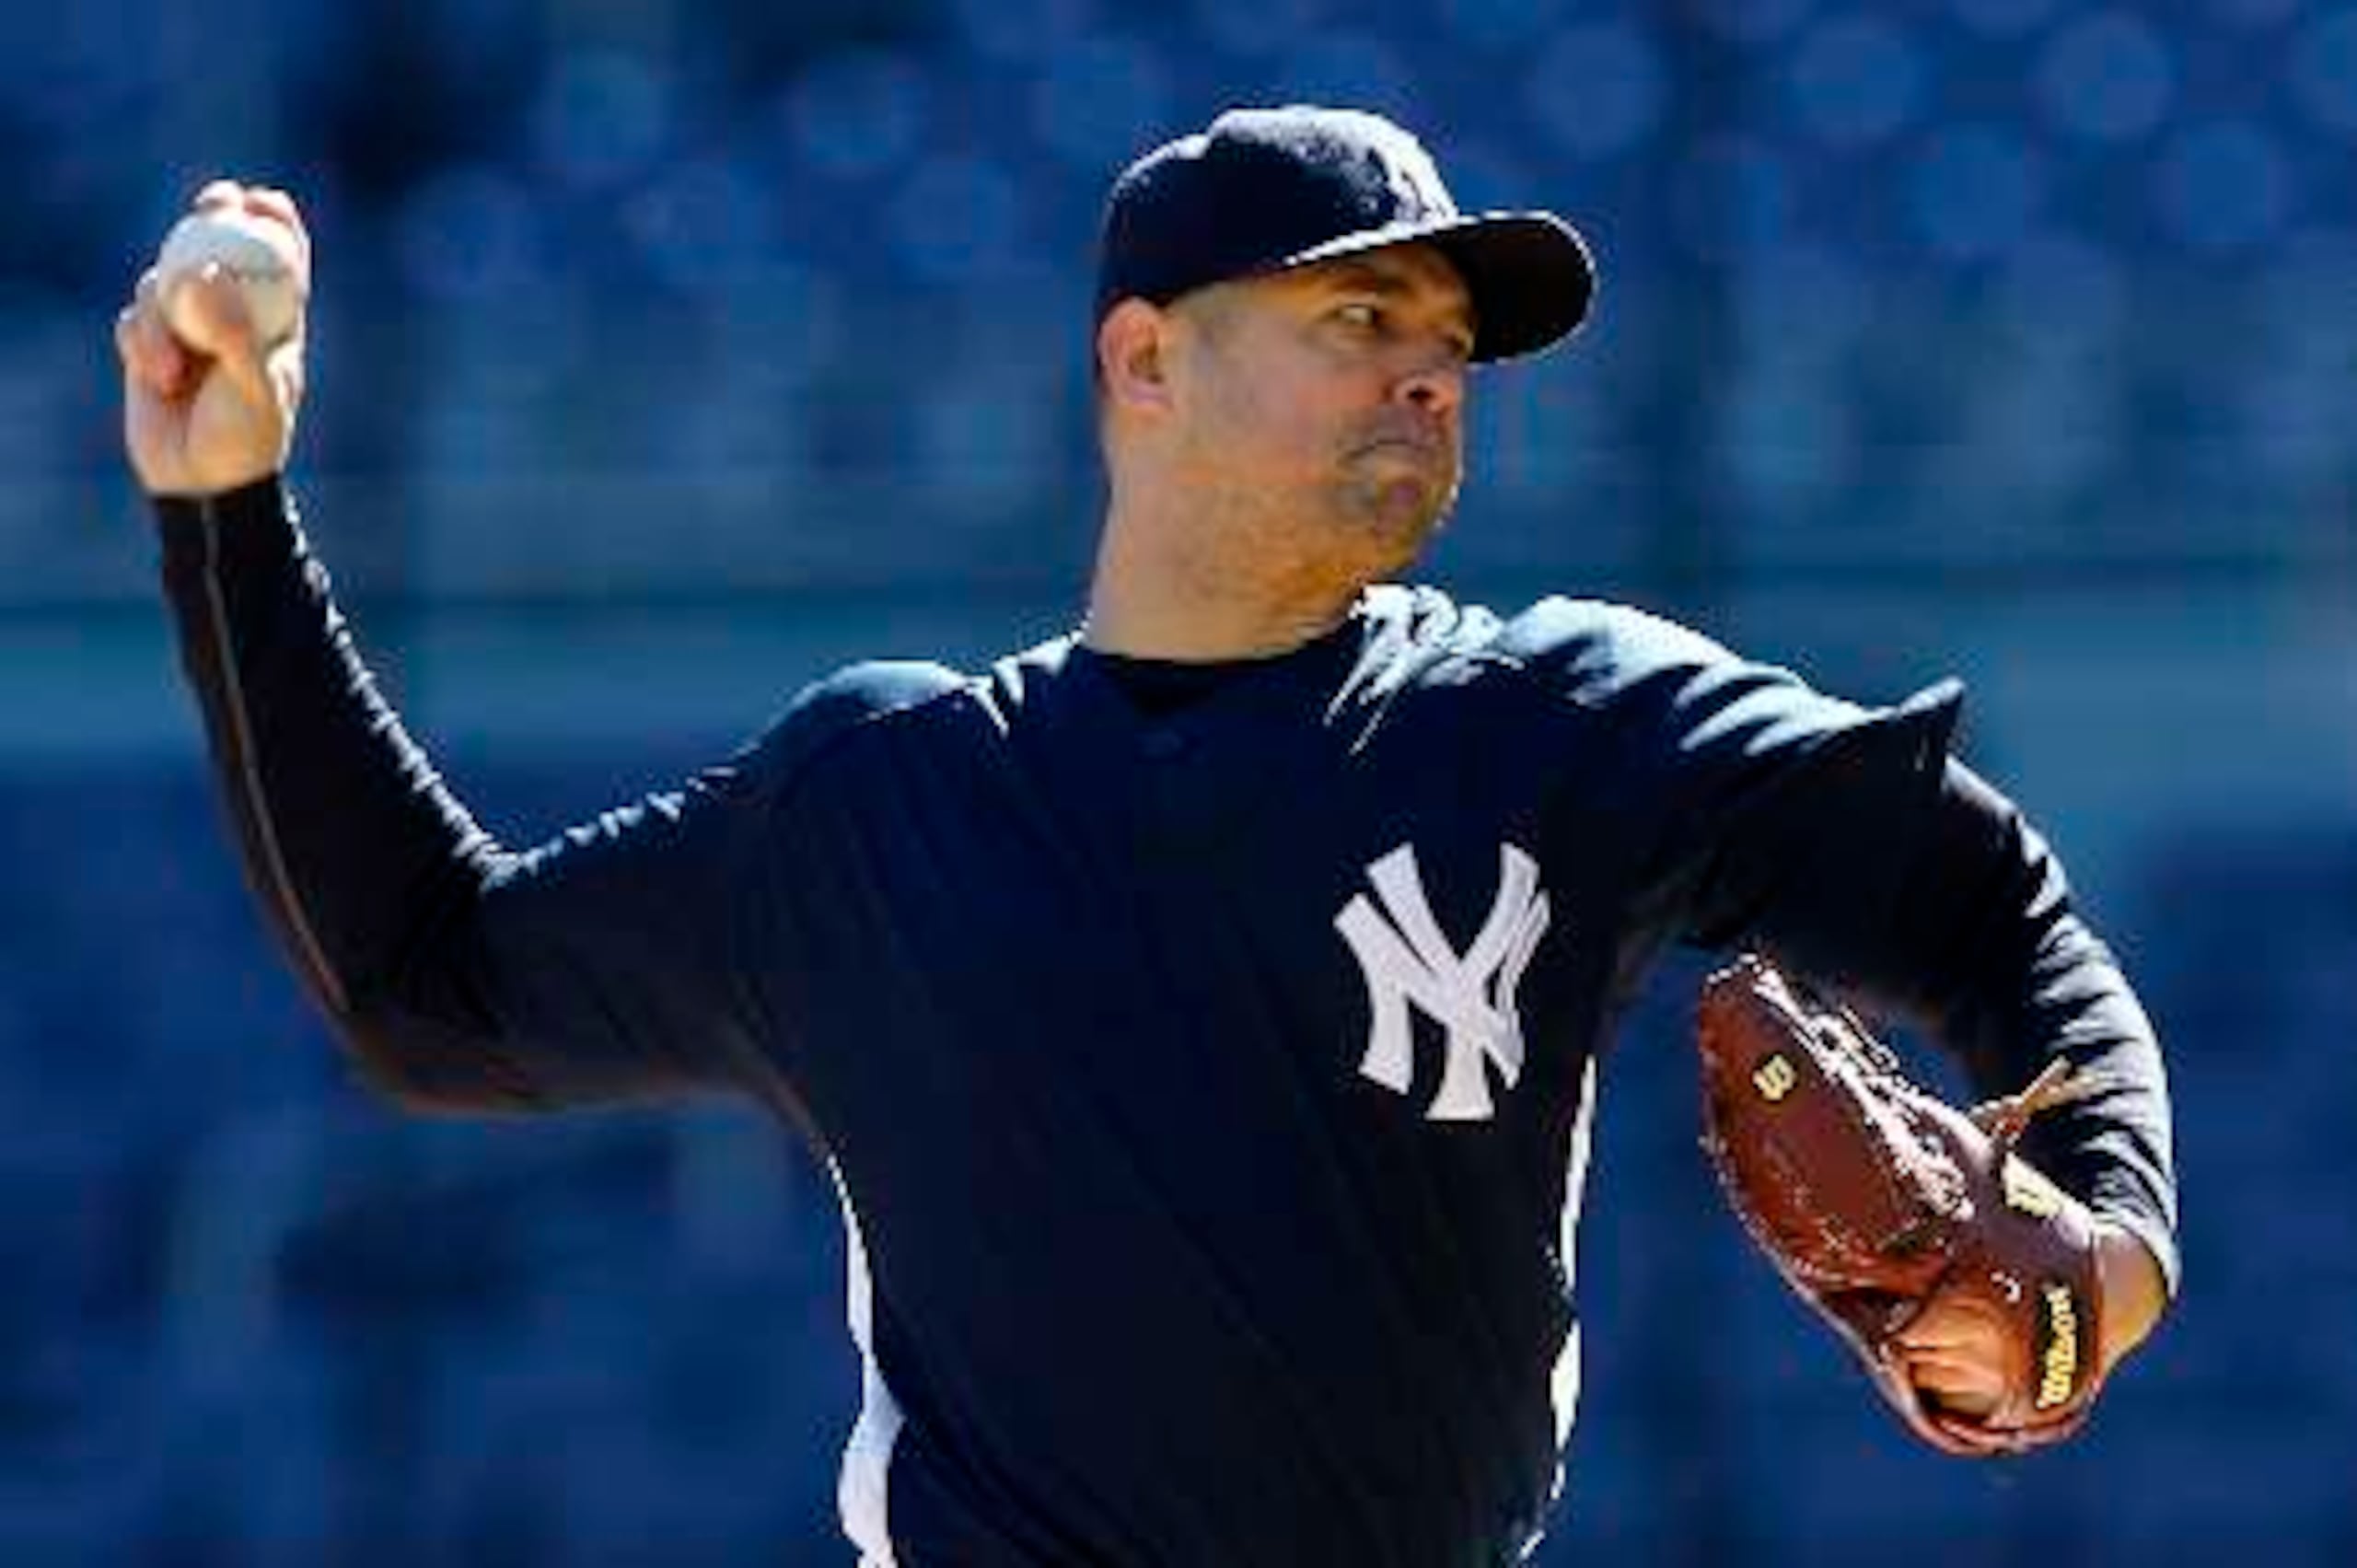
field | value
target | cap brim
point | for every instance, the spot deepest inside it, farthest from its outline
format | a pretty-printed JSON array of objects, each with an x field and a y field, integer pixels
[{"x": 1530, "y": 274}]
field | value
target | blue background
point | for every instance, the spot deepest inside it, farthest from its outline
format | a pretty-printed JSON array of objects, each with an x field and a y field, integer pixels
[{"x": 667, "y": 354}]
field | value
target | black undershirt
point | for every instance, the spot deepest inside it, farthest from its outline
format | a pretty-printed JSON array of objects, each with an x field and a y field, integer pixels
[{"x": 1162, "y": 687}]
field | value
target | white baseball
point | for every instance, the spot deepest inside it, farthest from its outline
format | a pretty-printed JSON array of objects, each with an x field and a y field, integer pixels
[{"x": 256, "y": 252}]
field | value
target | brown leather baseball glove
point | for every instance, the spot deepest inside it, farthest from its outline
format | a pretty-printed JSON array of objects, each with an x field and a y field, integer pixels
[{"x": 1871, "y": 1196}]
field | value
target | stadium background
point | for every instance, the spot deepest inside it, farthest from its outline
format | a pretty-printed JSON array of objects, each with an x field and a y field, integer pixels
[{"x": 667, "y": 354}]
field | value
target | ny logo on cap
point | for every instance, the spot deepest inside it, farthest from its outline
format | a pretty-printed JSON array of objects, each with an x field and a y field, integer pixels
[{"x": 1415, "y": 180}]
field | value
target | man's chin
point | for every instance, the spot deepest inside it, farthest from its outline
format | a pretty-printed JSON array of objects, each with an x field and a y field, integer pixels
[{"x": 1402, "y": 513}]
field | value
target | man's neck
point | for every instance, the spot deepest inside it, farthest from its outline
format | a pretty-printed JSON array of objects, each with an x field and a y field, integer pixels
[
  {"x": 1179, "y": 601},
  {"x": 1185, "y": 634}
]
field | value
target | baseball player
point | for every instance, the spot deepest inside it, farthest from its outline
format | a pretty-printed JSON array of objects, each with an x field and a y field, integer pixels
[{"x": 1197, "y": 1013}]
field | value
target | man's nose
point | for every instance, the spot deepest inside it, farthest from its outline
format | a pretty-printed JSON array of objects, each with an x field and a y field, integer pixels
[{"x": 1436, "y": 388}]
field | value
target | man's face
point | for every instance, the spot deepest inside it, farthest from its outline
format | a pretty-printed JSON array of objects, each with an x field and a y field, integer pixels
[{"x": 1333, "y": 394}]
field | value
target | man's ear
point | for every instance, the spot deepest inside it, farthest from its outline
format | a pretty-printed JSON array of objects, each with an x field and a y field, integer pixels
[{"x": 1133, "y": 356}]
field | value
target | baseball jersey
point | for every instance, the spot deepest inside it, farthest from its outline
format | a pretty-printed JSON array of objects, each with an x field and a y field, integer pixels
[{"x": 1206, "y": 1081}]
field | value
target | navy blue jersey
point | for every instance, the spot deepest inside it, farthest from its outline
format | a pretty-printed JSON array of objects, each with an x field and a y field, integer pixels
[{"x": 1207, "y": 1089}]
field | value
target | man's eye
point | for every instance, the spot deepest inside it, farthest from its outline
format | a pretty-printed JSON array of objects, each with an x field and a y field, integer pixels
[{"x": 1360, "y": 314}]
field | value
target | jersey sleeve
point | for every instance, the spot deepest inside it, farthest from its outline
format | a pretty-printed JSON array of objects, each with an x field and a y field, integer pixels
[
  {"x": 1848, "y": 842},
  {"x": 606, "y": 963},
  {"x": 1740, "y": 802}
]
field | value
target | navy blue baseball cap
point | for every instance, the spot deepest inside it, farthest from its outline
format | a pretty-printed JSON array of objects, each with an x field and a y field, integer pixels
[{"x": 1262, "y": 189}]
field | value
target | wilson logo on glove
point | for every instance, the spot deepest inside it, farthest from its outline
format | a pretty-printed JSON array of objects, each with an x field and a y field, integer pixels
[
  {"x": 1773, "y": 1078},
  {"x": 2059, "y": 1362}
]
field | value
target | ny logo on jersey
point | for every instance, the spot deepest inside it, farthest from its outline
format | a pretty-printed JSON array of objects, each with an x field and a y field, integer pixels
[{"x": 1405, "y": 959}]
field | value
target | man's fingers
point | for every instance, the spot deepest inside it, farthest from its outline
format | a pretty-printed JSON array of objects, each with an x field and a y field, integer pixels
[
  {"x": 126, "y": 343},
  {"x": 270, "y": 202},
  {"x": 1955, "y": 1323},
  {"x": 1945, "y": 1362},
  {"x": 214, "y": 312},
  {"x": 136, "y": 381},
  {"x": 218, "y": 194},
  {"x": 1960, "y": 1373},
  {"x": 149, "y": 350},
  {"x": 1955, "y": 1380},
  {"x": 1946, "y": 1334},
  {"x": 1941, "y": 1328},
  {"x": 204, "y": 307},
  {"x": 1956, "y": 1383},
  {"x": 1955, "y": 1366}
]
